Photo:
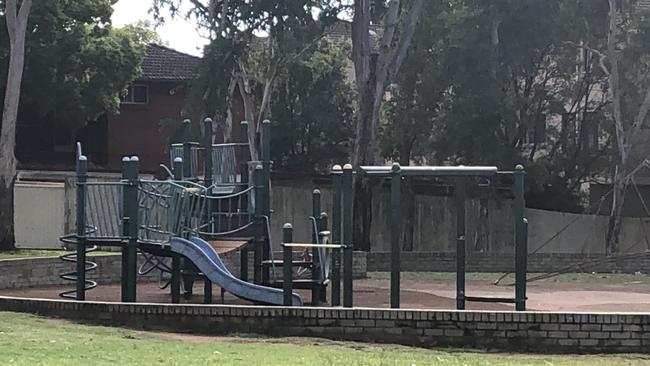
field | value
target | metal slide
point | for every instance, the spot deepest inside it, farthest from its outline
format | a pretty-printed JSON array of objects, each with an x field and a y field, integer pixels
[{"x": 207, "y": 261}]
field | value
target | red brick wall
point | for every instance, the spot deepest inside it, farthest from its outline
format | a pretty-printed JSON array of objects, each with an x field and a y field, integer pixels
[{"x": 137, "y": 130}]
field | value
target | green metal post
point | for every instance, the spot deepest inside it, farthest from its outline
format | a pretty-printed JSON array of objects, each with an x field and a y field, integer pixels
[
  {"x": 459, "y": 193},
  {"x": 266, "y": 201},
  {"x": 131, "y": 210},
  {"x": 315, "y": 272},
  {"x": 244, "y": 153},
  {"x": 187, "y": 148},
  {"x": 82, "y": 177},
  {"x": 176, "y": 278},
  {"x": 347, "y": 236},
  {"x": 395, "y": 232},
  {"x": 521, "y": 240},
  {"x": 124, "y": 279},
  {"x": 287, "y": 267},
  {"x": 258, "y": 180},
  {"x": 323, "y": 223},
  {"x": 207, "y": 152},
  {"x": 207, "y": 180},
  {"x": 178, "y": 168},
  {"x": 336, "y": 235}
]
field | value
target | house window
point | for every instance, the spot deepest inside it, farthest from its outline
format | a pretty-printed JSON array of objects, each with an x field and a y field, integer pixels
[{"x": 136, "y": 94}]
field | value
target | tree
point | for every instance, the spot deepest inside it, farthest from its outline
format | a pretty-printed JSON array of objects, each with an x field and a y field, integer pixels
[
  {"x": 373, "y": 74},
  {"x": 312, "y": 104},
  {"x": 536, "y": 101},
  {"x": 76, "y": 65},
  {"x": 237, "y": 60},
  {"x": 625, "y": 62},
  {"x": 16, "y": 19}
]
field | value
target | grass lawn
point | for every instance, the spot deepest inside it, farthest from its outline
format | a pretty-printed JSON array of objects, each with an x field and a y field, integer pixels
[
  {"x": 35, "y": 253},
  {"x": 602, "y": 278},
  {"x": 31, "y": 340}
]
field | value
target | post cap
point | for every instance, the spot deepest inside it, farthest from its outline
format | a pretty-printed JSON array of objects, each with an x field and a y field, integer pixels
[
  {"x": 266, "y": 122},
  {"x": 347, "y": 167},
  {"x": 287, "y": 226},
  {"x": 396, "y": 167},
  {"x": 316, "y": 191},
  {"x": 83, "y": 158},
  {"x": 324, "y": 214},
  {"x": 135, "y": 158},
  {"x": 207, "y": 120},
  {"x": 187, "y": 120},
  {"x": 519, "y": 167},
  {"x": 244, "y": 123},
  {"x": 125, "y": 159},
  {"x": 336, "y": 168},
  {"x": 258, "y": 167},
  {"x": 178, "y": 159}
]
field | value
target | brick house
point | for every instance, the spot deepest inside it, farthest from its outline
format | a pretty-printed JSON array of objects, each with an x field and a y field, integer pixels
[{"x": 158, "y": 94}]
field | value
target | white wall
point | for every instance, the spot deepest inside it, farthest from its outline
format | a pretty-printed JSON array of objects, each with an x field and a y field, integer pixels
[{"x": 40, "y": 214}]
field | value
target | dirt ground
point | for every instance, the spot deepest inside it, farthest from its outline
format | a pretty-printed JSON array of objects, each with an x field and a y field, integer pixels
[{"x": 421, "y": 293}]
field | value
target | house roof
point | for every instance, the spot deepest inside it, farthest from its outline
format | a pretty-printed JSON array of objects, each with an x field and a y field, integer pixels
[{"x": 162, "y": 63}]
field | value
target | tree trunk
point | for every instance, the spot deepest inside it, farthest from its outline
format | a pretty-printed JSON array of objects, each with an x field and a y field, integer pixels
[
  {"x": 614, "y": 91},
  {"x": 373, "y": 73},
  {"x": 614, "y": 222},
  {"x": 16, "y": 19}
]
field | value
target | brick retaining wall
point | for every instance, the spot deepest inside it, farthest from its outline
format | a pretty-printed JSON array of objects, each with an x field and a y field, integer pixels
[
  {"x": 45, "y": 271},
  {"x": 522, "y": 332},
  {"x": 498, "y": 262}
]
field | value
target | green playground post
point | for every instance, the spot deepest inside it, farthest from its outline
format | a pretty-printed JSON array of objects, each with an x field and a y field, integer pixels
[
  {"x": 258, "y": 180},
  {"x": 176, "y": 278},
  {"x": 187, "y": 148},
  {"x": 244, "y": 153},
  {"x": 521, "y": 239},
  {"x": 347, "y": 237},
  {"x": 130, "y": 207},
  {"x": 124, "y": 279},
  {"x": 266, "y": 196},
  {"x": 82, "y": 177},
  {"x": 315, "y": 273},
  {"x": 287, "y": 266},
  {"x": 323, "y": 225},
  {"x": 177, "y": 169},
  {"x": 207, "y": 180},
  {"x": 459, "y": 194},
  {"x": 207, "y": 152},
  {"x": 336, "y": 235},
  {"x": 395, "y": 233}
]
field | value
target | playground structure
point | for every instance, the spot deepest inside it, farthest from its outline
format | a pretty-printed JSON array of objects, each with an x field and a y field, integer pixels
[
  {"x": 182, "y": 225},
  {"x": 342, "y": 220}
]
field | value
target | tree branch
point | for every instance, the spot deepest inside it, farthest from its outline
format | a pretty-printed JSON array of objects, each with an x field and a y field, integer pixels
[
  {"x": 641, "y": 116},
  {"x": 405, "y": 39}
]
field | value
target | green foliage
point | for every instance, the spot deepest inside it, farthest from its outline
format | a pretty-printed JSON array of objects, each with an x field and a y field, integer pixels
[
  {"x": 312, "y": 108},
  {"x": 76, "y": 64},
  {"x": 505, "y": 83}
]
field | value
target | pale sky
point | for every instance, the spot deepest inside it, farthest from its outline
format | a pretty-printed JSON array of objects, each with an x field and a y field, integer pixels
[{"x": 178, "y": 34}]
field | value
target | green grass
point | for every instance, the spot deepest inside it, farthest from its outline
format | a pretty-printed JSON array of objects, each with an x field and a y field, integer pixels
[
  {"x": 31, "y": 340},
  {"x": 35, "y": 253},
  {"x": 570, "y": 278}
]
